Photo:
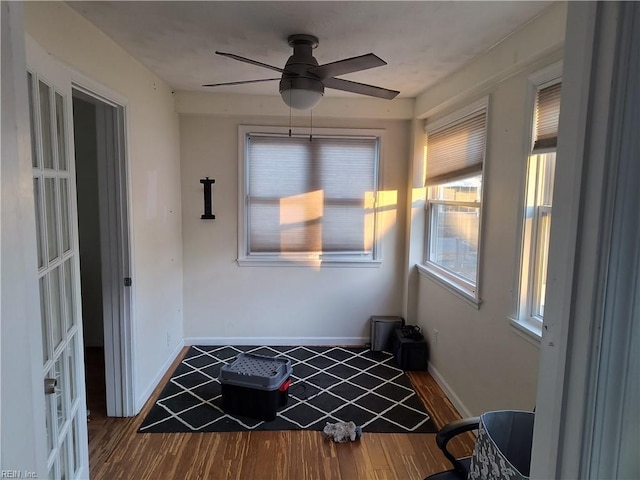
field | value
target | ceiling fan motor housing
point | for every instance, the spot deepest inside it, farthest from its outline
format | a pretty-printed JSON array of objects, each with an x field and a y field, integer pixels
[{"x": 298, "y": 63}]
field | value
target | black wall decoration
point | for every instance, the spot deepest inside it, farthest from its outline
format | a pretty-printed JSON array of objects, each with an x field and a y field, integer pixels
[{"x": 208, "y": 214}]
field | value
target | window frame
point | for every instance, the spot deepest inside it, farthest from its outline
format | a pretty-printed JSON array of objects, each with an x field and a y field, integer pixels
[
  {"x": 319, "y": 259},
  {"x": 524, "y": 321},
  {"x": 457, "y": 284}
]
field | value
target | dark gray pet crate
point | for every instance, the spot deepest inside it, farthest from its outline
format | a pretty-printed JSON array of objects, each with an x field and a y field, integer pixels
[
  {"x": 382, "y": 328},
  {"x": 255, "y": 386}
]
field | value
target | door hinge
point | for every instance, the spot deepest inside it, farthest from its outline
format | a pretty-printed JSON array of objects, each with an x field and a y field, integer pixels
[{"x": 127, "y": 281}]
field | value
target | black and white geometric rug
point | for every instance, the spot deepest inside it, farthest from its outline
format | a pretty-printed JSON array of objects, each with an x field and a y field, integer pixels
[{"x": 330, "y": 384}]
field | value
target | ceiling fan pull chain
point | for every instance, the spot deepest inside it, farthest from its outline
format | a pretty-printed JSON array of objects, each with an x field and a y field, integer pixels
[
  {"x": 311, "y": 127},
  {"x": 290, "y": 108}
]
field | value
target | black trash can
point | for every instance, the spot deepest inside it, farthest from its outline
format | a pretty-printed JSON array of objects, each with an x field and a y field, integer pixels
[{"x": 381, "y": 329}]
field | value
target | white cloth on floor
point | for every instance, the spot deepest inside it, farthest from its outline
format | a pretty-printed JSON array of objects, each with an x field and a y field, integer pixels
[{"x": 342, "y": 431}]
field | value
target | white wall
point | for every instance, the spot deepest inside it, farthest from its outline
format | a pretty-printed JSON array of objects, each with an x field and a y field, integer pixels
[
  {"x": 154, "y": 177},
  {"x": 479, "y": 357},
  {"x": 226, "y": 302}
]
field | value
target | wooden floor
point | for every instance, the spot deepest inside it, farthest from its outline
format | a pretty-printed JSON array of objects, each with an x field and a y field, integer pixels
[{"x": 117, "y": 451}]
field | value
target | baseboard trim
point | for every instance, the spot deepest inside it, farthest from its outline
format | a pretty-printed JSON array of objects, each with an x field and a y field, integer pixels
[
  {"x": 142, "y": 399},
  {"x": 284, "y": 341},
  {"x": 450, "y": 393}
]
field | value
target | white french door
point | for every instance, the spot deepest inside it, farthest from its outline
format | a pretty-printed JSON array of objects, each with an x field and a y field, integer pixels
[{"x": 50, "y": 109}]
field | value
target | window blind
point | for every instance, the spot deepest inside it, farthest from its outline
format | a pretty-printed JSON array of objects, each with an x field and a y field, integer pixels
[
  {"x": 547, "y": 116},
  {"x": 457, "y": 149},
  {"x": 311, "y": 196}
]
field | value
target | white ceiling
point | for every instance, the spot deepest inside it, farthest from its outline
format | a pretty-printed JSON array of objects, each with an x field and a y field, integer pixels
[{"x": 422, "y": 41}]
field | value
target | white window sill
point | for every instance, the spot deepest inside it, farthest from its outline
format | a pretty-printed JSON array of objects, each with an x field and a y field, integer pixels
[
  {"x": 454, "y": 288},
  {"x": 304, "y": 261},
  {"x": 529, "y": 330}
]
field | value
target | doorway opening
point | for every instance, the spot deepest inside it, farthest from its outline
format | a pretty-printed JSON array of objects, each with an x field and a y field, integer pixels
[{"x": 101, "y": 184}]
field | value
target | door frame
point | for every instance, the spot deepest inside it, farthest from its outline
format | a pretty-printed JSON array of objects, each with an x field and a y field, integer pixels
[
  {"x": 590, "y": 297},
  {"x": 116, "y": 243}
]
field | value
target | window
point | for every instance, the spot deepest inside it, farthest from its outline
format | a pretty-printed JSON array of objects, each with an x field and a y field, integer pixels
[
  {"x": 309, "y": 201},
  {"x": 455, "y": 227},
  {"x": 538, "y": 206},
  {"x": 455, "y": 157}
]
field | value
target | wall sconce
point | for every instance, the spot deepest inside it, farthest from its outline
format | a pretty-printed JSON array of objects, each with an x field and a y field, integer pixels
[{"x": 208, "y": 214}]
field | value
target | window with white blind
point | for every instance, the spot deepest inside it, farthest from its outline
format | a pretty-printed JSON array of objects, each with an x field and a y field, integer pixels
[
  {"x": 538, "y": 200},
  {"x": 308, "y": 200},
  {"x": 546, "y": 118},
  {"x": 454, "y": 172}
]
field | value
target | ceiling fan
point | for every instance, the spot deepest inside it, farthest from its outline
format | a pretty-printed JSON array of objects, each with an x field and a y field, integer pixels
[{"x": 303, "y": 81}]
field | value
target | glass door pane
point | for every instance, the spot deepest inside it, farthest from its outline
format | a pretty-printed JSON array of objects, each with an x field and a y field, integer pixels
[
  {"x": 68, "y": 295},
  {"x": 51, "y": 203},
  {"x": 55, "y": 299},
  {"x": 60, "y": 134},
  {"x": 32, "y": 121},
  {"x": 45, "y": 125},
  {"x": 61, "y": 407},
  {"x": 37, "y": 198},
  {"x": 64, "y": 214},
  {"x": 44, "y": 313}
]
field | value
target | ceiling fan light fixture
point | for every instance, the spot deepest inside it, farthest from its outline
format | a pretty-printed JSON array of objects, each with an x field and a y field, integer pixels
[
  {"x": 301, "y": 99},
  {"x": 301, "y": 93}
]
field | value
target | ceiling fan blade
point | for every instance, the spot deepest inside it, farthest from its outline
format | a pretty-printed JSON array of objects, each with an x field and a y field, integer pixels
[
  {"x": 254, "y": 62},
  {"x": 361, "y": 88},
  {"x": 240, "y": 82},
  {"x": 348, "y": 65}
]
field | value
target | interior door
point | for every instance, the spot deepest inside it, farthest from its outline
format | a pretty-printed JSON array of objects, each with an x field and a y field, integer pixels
[{"x": 50, "y": 108}]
